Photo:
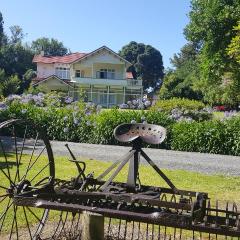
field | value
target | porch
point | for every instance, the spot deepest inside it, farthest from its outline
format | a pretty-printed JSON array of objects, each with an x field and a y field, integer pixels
[{"x": 106, "y": 96}]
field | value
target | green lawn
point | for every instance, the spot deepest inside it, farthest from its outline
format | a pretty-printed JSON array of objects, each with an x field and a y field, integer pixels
[{"x": 218, "y": 187}]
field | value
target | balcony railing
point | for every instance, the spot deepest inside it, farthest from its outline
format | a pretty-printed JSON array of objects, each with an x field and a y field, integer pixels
[{"x": 108, "y": 82}]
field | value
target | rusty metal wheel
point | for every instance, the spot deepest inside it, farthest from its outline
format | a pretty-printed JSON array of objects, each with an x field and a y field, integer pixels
[{"x": 26, "y": 163}]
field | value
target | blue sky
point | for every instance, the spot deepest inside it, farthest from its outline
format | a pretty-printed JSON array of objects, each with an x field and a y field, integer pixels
[{"x": 84, "y": 25}]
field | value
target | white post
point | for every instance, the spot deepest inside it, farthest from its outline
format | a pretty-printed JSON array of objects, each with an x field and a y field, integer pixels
[
  {"x": 108, "y": 88},
  {"x": 141, "y": 93},
  {"x": 125, "y": 72},
  {"x": 91, "y": 87},
  {"x": 124, "y": 93}
]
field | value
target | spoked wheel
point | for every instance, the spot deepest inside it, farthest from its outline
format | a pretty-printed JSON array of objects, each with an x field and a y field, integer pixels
[{"x": 26, "y": 164}]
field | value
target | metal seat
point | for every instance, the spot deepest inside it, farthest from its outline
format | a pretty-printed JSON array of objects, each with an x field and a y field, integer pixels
[{"x": 149, "y": 133}]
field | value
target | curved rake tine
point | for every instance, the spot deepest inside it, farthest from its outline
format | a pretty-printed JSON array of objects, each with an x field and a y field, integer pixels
[
  {"x": 174, "y": 233},
  {"x": 109, "y": 226},
  {"x": 56, "y": 229},
  {"x": 119, "y": 228},
  {"x": 180, "y": 234},
  {"x": 72, "y": 222},
  {"x": 159, "y": 232},
  {"x": 63, "y": 227},
  {"x": 165, "y": 232},
  {"x": 152, "y": 231},
  {"x": 132, "y": 231},
  {"x": 28, "y": 226},
  {"x": 147, "y": 232},
  {"x": 76, "y": 227},
  {"x": 13, "y": 221},
  {"x": 139, "y": 229},
  {"x": 125, "y": 230}
]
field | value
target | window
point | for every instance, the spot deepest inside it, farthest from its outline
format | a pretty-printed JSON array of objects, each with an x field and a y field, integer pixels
[
  {"x": 77, "y": 73},
  {"x": 103, "y": 98},
  {"x": 112, "y": 99},
  {"x": 106, "y": 73},
  {"x": 63, "y": 73}
]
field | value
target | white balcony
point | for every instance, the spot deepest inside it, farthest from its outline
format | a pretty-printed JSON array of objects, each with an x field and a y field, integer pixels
[{"x": 108, "y": 82}]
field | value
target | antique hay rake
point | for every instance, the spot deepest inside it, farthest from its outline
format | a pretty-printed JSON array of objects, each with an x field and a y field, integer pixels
[{"x": 34, "y": 204}]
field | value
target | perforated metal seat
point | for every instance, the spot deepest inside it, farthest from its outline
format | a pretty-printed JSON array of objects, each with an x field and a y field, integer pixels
[{"x": 149, "y": 133}]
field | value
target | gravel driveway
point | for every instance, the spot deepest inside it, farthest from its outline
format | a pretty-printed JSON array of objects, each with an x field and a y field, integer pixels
[{"x": 198, "y": 162}]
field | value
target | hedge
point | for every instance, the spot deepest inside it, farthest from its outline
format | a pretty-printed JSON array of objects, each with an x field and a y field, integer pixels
[
  {"x": 83, "y": 125},
  {"x": 179, "y": 103},
  {"x": 222, "y": 137}
]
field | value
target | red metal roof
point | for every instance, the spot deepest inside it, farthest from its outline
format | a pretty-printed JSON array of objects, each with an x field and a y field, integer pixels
[
  {"x": 129, "y": 75},
  {"x": 58, "y": 59}
]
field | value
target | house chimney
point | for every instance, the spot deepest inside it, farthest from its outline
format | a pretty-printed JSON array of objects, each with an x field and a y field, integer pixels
[{"x": 42, "y": 53}]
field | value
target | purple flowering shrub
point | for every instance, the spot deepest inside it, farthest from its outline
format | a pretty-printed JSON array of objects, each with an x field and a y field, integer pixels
[
  {"x": 184, "y": 109},
  {"x": 86, "y": 122},
  {"x": 136, "y": 104}
]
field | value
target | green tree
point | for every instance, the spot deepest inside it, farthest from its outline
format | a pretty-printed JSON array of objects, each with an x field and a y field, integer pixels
[
  {"x": 234, "y": 47},
  {"x": 16, "y": 59},
  {"x": 1, "y": 30},
  {"x": 3, "y": 37},
  {"x": 210, "y": 28},
  {"x": 146, "y": 62},
  {"x": 17, "y": 34},
  {"x": 8, "y": 85},
  {"x": 49, "y": 46},
  {"x": 27, "y": 78},
  {"x": 182, "y": 80}
]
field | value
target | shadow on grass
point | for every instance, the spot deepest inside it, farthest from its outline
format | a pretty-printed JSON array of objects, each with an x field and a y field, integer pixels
[
  {"x": 9, "y": 164},
  {"x": 4, "y": 165}
]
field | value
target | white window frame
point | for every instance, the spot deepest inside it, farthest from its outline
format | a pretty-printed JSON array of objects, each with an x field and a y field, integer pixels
[
  {"x": 62, "y": 72},
  {"x": 107, "y": 73}
]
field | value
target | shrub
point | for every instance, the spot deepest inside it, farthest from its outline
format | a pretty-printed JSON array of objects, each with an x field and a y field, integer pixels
[
  {"x": 222, "y": 137},
  {"x": 106, "y": 121},
  {"x": 180, "y": 103},
  {"x": 180, "y": 109},
  {"x": 81, "y": 122}
]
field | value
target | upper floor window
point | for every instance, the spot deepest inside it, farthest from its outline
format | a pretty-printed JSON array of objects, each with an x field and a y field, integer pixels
[
  {"x": 63, "y": 73},
  {"x": 79, "y": 73},
  {"x": 106, "y": 73}
]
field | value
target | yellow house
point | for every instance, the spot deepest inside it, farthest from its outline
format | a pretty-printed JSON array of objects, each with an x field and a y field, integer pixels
[{"x": 101, "y": 74}]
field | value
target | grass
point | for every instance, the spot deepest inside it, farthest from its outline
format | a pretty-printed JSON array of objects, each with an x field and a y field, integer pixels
[
  {"x": 218, "y": 187},
  {"x": 218, "y": 115}
]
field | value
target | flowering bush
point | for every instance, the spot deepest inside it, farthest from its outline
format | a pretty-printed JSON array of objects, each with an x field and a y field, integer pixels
[
  {"x": 184, "y": 109},
  {"x": 136, "y": 104},
  {"x": 85, "y": 122},
  {"x": 40, "y": 99}
]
